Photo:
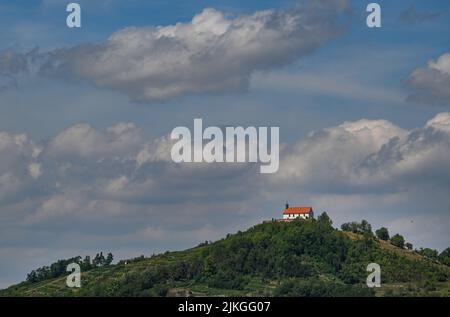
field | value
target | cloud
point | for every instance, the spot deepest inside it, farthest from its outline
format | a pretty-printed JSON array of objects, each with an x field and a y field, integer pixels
[
  {"x": 369, "y": 156},
  {"x": 331, "y": 159},
  {"x": 17, "y": 165},
  {"x": 84, "y": 172},
  {"x": 35, "y": 170},
  {"x": 440, "y": 122},
  {"x": 158, "y": 150},
  {"x": 431, "y": 84},
  {"x": 16, "y": 67},
  {"x": 83, "y": 141},
  {"x": 419, "y": 158},
  {"x": 213, "y": 53}
]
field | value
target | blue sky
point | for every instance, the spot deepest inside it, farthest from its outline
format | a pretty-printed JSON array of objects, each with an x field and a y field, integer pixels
[{"x": 346, "y": 104}]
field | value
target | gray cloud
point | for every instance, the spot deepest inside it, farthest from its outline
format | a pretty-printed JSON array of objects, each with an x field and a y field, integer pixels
[
  {"x": 83, "y": 141},
  {"x": 213, "y": 53},
  {"x": 331, "y": 160},
  {"x": 83, "y": 172},
  {"x": 431, "y": 84},
  {"x": 370, "y": 156},
  {"x": 421, "y": 157},
  {"x": 16, "y": 66},
  {"x": 18, "y": 166}
]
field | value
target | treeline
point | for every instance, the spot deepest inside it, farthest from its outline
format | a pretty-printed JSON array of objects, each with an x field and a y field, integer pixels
[
  {"x": 397, "y": 240},
  {"x": 59, "y": 268}
]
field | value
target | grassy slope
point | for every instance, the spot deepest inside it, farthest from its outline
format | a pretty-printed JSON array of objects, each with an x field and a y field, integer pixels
[
  {"x": 57, "y": 286},
  {"x": 112, "y": 277},
  {"x": 408, "y": 288}
]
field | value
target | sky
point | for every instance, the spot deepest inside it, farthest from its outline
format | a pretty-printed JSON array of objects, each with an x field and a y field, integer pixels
[{"x": 86, "y": 114}]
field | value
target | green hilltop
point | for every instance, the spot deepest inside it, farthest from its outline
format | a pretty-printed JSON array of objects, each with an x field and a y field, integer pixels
[{"x": 299, "y": 258}]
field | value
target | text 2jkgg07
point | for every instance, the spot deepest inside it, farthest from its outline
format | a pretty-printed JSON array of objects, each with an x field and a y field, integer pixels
[{"x": 231, "y": 307}]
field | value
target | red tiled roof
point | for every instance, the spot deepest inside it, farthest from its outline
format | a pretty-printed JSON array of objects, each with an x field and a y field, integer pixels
[{"x": 297, "y": 210}]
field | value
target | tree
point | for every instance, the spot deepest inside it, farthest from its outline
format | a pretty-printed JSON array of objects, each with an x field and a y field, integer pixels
[
  {"x": 445, "y": 253},
  {"x": 95, "y": 261},
  {"x": 382, "y": 234},
  {"x": 351, "y": 227},
  {"x": 444, "y": 257},
  {"x": 32, "y": 277},
  {"x": 325, "y": 219},
  {"x": 109, "y": 258},
  {"x": 366, "y": 227},
  {"x": 355, "y": 227},
  {"x": 409, "y": 246},
  {"x": 345, "y": 226},
  {"x": 398, "y": 241},
  {"x": 99, "y": 259},
  {"x": 429, "y": 253},
  {"x": 86, "y": 264}
]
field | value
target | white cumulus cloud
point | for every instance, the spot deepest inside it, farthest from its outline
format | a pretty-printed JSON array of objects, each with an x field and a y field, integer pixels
[
  {"x": 213, "y": 53},
  {"x": 369, "y": 154},
  {"x": 431, "y": 84}
]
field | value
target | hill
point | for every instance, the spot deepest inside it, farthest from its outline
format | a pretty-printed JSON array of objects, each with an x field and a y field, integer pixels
[{"x": 301, "y": 258}]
